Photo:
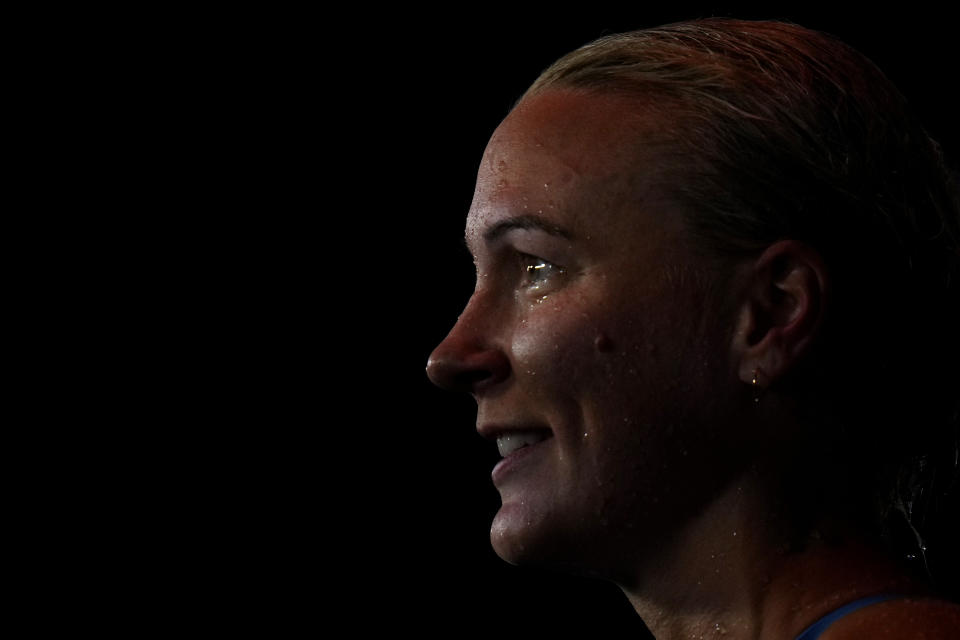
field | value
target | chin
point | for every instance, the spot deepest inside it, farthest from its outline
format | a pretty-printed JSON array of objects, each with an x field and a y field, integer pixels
[
  {"x": 520, "y": 547},
  {"x": 508, "y": 538},
  {"x": 521, "y": 542},
  {"x": 611, "y": 551}
]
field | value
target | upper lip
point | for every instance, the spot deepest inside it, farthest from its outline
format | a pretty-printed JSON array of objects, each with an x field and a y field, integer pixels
[
  {"x": 493, "y": 430},
  {"x": 490, "y": 431}
]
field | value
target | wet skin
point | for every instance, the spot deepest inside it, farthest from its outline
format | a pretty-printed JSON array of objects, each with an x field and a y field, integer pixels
[{"x": 589, "y": 326}]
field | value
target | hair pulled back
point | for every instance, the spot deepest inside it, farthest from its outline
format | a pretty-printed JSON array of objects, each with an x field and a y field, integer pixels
[{"x": 774, "y": 131}]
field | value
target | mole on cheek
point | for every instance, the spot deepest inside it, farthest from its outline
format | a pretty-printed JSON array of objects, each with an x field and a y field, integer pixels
[{"x": 603, "y": 343}]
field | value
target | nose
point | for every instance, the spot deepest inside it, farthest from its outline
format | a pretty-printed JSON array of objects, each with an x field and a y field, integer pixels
[{"x": 468, "y": 358}]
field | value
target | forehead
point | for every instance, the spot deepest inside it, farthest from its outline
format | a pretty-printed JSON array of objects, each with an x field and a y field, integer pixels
[
  {"x": 566, "y": 156},
  {"x": 566, "y": 123}
]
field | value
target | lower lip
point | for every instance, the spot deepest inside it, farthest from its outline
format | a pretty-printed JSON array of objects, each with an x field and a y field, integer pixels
[{"x": 516, "y": 460}]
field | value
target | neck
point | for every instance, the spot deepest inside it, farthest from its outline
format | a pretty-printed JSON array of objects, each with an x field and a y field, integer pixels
[{"x": 751, "y": 580}]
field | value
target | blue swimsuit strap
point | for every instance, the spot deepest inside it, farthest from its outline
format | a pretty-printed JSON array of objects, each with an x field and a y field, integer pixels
[{"x": 813, "y": 631}]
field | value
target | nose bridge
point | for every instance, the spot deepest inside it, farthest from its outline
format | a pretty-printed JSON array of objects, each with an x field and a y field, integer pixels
[
  {"x": 475, "y": 320},
  {"x": 471, "y": 331}
]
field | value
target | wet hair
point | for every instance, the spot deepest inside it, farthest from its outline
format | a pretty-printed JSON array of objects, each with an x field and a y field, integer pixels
[{"x": 773, "y": 131}]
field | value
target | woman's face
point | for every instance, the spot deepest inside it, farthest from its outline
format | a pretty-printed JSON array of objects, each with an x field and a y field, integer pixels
[{"x": 586, "y": 344}]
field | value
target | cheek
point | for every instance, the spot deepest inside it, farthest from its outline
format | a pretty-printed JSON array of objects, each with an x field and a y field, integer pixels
[
  {"x": 554, "y": 340},
  {"x": 576, "y": 349}
]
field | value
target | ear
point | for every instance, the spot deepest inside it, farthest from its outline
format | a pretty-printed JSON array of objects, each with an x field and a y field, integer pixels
[{"x": 786, "y": 292}]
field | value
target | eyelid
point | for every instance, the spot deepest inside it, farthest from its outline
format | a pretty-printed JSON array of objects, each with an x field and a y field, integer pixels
[{"x": 542, "y": 262}]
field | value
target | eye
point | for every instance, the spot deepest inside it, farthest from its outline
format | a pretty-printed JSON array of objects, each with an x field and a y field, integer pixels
[{"x": 538, "y": 273}]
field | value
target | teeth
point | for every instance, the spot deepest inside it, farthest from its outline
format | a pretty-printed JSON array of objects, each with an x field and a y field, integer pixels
[{"x": 510, "y": 442}]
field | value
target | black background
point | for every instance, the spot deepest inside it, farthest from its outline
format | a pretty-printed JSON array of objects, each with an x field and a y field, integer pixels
[{"x": 334, "y": 158}]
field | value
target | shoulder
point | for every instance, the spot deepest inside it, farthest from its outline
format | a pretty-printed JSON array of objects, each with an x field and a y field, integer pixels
[{"x": 903, "y": 619}]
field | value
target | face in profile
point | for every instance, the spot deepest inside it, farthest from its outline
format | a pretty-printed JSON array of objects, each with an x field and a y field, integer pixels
[{"x": 586, "y": 343}]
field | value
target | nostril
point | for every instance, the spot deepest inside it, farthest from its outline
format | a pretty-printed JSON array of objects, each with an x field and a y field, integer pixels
[
  {"x": 468, "y": 372},
  {"x": 470, "y": 380}
]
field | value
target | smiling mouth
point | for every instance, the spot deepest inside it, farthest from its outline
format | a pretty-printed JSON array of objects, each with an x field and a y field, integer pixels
[{"x": 507, "y": 443}]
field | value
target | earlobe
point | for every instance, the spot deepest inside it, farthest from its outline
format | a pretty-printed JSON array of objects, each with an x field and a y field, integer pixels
[{"x": 781, "y": 313}]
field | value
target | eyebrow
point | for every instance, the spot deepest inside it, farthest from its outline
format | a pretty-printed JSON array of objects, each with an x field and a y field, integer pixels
[{"x": 524, "y": 222}]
